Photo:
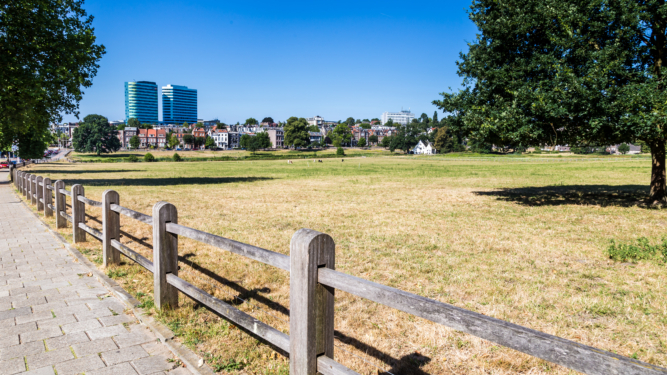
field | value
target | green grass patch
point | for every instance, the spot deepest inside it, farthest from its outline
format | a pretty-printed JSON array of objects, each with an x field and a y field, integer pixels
[{"x": 642, "y": 249}]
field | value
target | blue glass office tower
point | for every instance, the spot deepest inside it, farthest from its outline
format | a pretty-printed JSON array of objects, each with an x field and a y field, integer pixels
[
  {"x": 179, "y": 104},
  {"x": 141, "y": 101}
]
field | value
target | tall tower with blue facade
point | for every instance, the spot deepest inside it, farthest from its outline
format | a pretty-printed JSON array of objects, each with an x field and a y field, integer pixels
[
  {"x": 141, "y": 101},
  {"x": 179, "y": 104}
]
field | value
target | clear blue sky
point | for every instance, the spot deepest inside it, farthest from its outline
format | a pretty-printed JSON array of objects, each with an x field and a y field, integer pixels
[{"x": 335, "y": 59}]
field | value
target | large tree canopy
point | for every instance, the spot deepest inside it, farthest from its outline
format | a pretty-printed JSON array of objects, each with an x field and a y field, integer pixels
[
  {"x": 296, "y": 132},
  {"x": 47, "y": 56},
  {"x": 95, "y": 134},
  {"x": 566, "y": 72}
]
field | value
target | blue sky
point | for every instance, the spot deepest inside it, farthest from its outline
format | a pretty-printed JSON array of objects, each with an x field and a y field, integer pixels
[{"x": 254, "y": 59}]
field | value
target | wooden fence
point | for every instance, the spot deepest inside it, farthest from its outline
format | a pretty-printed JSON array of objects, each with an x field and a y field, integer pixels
[{"x": 313, "y": 282}]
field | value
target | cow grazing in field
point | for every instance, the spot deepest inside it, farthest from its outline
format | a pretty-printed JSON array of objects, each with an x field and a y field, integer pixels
[
  {"x": 289, "y": 162},
  {"x": 319, "y": 161},
  {"x": 342, "y": 160}
]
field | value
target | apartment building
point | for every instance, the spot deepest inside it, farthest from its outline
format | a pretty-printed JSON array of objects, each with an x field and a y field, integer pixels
[{"x": 277, "y": 137}]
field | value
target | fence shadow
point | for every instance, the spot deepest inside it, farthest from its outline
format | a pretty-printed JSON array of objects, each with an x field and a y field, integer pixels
[
  {"x": 165, "y": 181},
  {"x": 589, "y": 195},
  {"x": 81, "y": 171}
]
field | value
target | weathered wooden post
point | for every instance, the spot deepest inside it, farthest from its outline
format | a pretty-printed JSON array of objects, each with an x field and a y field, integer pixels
[
  {"x": 18, "y": 180},
  {"x": 39, "y": 190},
  {"x": 111, "y": 228},
  {"x": 165, "y": 255},
  {"x": 78, "y": 214},
  {"x": 311, "y": 304},
  {"x": 33, "y": 189},
  {"x": 61, "y": 222},
  {"x": 26, "y": 185},
  {"x": 48, "y": 198}
]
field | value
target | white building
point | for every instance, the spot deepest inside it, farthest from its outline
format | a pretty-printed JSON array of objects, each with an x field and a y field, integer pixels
[
  {"x": 424, "y": 148},
  {"x": 220, "y": 136},
  {"x": 317, "y": 120},
  {"x": 402, "y": 117}
]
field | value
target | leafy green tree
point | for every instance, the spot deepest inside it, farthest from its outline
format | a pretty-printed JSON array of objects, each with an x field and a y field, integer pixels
[
  {"x": 373, "y": 139},
  {"x": 313, "y": 128},
  {"x": 296, "y": 132},
  {"x": 566, "y": 72},
  {"x": 268, "y": 119},
  {"x": 624, "y": 148},
  {"x": 361, "y": 142},
  {"x": 185, "y": 125},
  {"x": 424, "y": 118},
  {"x": 146, "y": 126},
  {"x": 366, "y": 120},
  {"x": 121, "y": 127},
  {"x": 389, "y": 122},
  {"x": 199, "y": 141},
  {"x": 135, "y": 142},
  {"x": 209, "y": 142},
  {"x": 435, "y": 117},
  {"x": 133, "y": 123},
  {"x": 149, "y": 157},
  {"x": 177, "y": 157},
  {"x": 365, "y": 125},
  {"x": 406, "y": 138},
  {"x": 350, "y": 121},
  {"x": 189, "y": 139},
  {"x": 340, "y": 151},
  {"x": 48, "y": 56},
  {"x": 251, "y": 121},
  {"x": 263, "y": 141},
  {"x": 342, "y": 134},
  {"x": 447, "y": 141},
  {"x": 173, "y": 141},
  {"x": 244, "y": 142},
  {"x": 95, "y": 134},
  {"x": 386, "y": 141},
  {"x": 375, "y": 119}
]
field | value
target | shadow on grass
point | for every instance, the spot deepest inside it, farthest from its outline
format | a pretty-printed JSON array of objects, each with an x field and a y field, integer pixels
[
  {"x": 409, "y": 364},
  {"x": 70, "y": 171},
  {"x": 164, "y": 181},
  {"x": 590, "y": 195}
]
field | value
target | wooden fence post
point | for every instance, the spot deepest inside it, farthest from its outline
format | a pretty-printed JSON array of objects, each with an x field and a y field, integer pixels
[
  {"x": 61, "y": 222},
  {"x": 111, "y": 228},
  {"x": 78, "y": 214},
  {"x": 26, "y": 185},
  {"x": 33, "y": 189},
  {"x": 311, "y": 304},
  {"x": 38, "y": 191},
  {"x": 48, "y": 198},
  {"x": 165, "y": 255}
]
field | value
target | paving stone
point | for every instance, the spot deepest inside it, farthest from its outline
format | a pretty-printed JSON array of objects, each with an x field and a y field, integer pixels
[
  {"x": 96, "y": 313},
  {"x": 22, "y": 350},
  {"x": 85, "y": 325},
  {"x": 117, "y": 319},
  {"x": 66, "y": 340},
  {"x": 49, "y": 306},
  {"x": 42, "y": 315},
  {"x": 55, "y": 322},
  {"x": 151, "y": 365},
  {"x": 94, "y": 347},
  {"x": 70, "y": 309},
  {"x": 13, "y": 366},
  {"x": 134, "y": 338},
  {"x": 77, "y": 366},
  {"x": 14, "y": 313},
  {"x": 49, "y": 358},
  {"x": 120, "y": 369},
  {"x": 103, "y": 332},
  {"x": 29, "y": 302},
  {"x": 130, "y": 353},
  {"x": 9, "y": 341},
  {"x": 8, "y": 322},
  {"x": 156, "y": 347},
  {"x": 48, "y": 370},
  {"x": 180, "y": 371},
  {"x": 41, "y": 334},
  {"x": 21, "y": 328}
]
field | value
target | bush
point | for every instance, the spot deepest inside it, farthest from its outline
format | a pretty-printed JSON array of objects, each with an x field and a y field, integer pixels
[
  {"x": 340, "y": 151},
  {"x": 177, "y": 157},
  {"x": 149, "y": 157},
  {"x": 642, "y": 250},
  {"x": 132, "y": 158}
]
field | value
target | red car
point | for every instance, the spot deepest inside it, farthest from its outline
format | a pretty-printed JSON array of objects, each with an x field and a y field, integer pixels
[{"x": 4, "y": 165}]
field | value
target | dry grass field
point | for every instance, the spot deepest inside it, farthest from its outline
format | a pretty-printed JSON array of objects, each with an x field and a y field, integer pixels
[{"x": 522, "y": 241}]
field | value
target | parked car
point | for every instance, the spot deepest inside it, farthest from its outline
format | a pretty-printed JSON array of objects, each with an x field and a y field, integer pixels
[{"x": 4, "y": 165}]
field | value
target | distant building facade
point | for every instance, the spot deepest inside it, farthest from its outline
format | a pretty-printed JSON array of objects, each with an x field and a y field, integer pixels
[
  {"x": 402, "y": 117},
  {"x": 141, "y": 101},
  {"x": 276, "y": 136},
  {"x": 179, "y": 104}
]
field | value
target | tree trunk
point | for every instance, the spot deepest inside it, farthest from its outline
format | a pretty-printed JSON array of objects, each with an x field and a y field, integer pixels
[{"x": 658, "y": 179}]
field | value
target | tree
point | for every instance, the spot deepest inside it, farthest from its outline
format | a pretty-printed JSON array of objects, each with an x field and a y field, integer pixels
[
  {"x": 189, "y": 139},
  {"x": 446, "y": 141},
  {"x": 435, "y": 117},
  {"x": 406, "y": 138},
  {"x": 389, "y": 122},
  {"x": 149, "y": 157},
  {"x": 296, "y": 132},
  {"x": 341, "y": 135},
  {"x": 263, "y": 141},
  {"x": 375, "y": 119},
  {"x": 48, "y": 56},
  {"x": 566, "y": 72},
  {"x": 624, "y": 148},
  {"x": 361, "y": 142},
  {"x": 96, "y": 135},
  {"x": 386, "y": 141},
  {"x": 350, "y": 121},
  {"x": 209, "y": 142},
  {"x": 199, "y": 141},
  {"x": 340, "y": 151},
  {"x": 268, "y": 119},
  {"x": 177, "y": 157},
  {"x": 244, "y": 142},
  {"x": 185, "y": 125},
  {"x": 313, "y": 128},
  {"x": 135, "y": 142},
  {"x": 133, "y": 123},
  {"x": 173, "y": 141},
  {"x": 146, "y": 126},
  {"x": 366, "y": 120},
  {"x": 251, "y": 121},
  {"x": 365, "y": 125},
  {"x": 121, "y": 127},
  {"x": 373, "y": 139},
  {"x": 424, "y": 118}
]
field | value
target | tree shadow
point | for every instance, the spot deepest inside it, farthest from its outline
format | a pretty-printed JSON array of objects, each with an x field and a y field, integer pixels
[
  {"x": 165, "y": 181},
  {"x": 585, "y": 195},
  {"x": 409, "y": 364},
  {"x": 71, "y": 171}
]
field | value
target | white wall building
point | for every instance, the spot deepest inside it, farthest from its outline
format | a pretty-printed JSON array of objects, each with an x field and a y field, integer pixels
[
  {"x": 220, "y": 136},
  {"x": 402, "y": 117},
  {"x": 317, "y": 120},
  {"x": 424, "y": 148}
]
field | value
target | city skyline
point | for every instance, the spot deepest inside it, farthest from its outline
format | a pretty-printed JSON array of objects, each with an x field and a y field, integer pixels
[{"x": 281, "y": 60}]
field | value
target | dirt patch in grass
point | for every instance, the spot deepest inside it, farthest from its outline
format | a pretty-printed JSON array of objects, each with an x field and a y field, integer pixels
[{"x": 468, "y": 233}]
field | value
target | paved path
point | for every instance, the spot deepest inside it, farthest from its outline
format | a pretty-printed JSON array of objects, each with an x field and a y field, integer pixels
[{"x": 53, "y": 316}]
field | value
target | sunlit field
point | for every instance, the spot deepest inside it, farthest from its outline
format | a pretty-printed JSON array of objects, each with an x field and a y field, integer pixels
[{"x": 519, "y": 240}]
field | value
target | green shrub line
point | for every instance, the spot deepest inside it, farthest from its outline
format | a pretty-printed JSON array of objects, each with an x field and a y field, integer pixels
[{"x": 641, "y": 250}]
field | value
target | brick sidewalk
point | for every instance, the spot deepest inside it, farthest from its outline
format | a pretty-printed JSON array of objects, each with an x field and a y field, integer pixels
[{"x": 53, "y": 316}]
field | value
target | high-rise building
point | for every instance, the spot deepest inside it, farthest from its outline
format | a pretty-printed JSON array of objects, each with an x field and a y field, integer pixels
[
  {"x": 141, "y": 101},
  {"x": 179, "y": 104},
  {"x": 402, "y": 117}
]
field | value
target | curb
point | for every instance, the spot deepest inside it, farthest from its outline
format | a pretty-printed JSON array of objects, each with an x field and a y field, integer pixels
[{"x": 166, "y": 336}]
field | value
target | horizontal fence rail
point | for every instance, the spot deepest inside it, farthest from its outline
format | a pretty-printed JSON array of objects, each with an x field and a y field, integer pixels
[{"x": 313, "y": 282}]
